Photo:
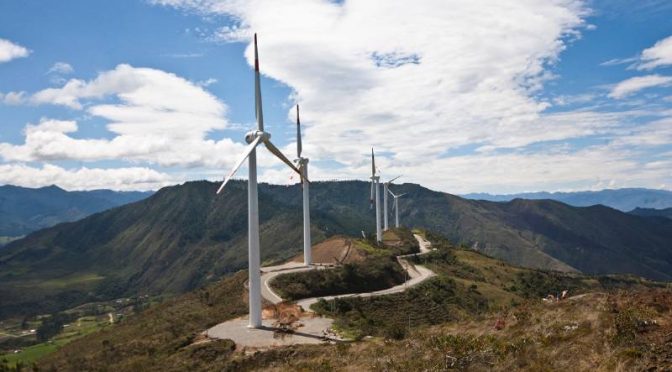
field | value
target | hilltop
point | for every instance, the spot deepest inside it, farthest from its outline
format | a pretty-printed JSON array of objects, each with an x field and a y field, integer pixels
[
  {"x": 478, "y": 312},
  {"x": 185, "y": 236}
]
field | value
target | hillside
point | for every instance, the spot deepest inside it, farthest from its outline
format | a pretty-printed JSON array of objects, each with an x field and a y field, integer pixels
[
  {"x": 24, "y": 210},
  {"x": 622, "y": 199},
  {"x": 184, "y": 236},
  {"x": 649, "y": 212},
  {"x": 447, "y": 322}
]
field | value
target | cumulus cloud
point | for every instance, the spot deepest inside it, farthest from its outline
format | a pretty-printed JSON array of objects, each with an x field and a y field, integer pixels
[
  {"x": 460, "y": 74},
  {"x": 10, "y": 51},
  {"x": 159, "y": 118},
  {"x": 658, "y": 55},
  {"x": 421, "y": 82},
  {"x": 135, "y": 178},
  {"x": 635, "y": 84}
]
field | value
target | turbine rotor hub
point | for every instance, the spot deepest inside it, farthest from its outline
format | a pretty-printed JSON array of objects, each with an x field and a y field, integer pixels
[{"x": 253, "y": 134}]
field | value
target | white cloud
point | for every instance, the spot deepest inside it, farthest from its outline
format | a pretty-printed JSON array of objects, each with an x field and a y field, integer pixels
[
  {"x": 472, "y": 81},
  {"x": 61, "y": 68},
  {"x": 476, "y": 68},
  {"x": 10, "y": 51},
  {"x": 158, "y": 118},
  {"x": 206, "y": 83},
  {"x": 135, "y": 178},
  {"x": 13, "y": 98},
  {"x": 635, "y": 84},
  {"x": 658, "y": 55}
]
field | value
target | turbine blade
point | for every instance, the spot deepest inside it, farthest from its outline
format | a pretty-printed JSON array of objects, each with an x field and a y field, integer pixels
[
  {"x": 390, "y": 191},
  {"x": 271, "y": 147},
  {"x": 372, "y": 196},
  {"x": 240, "y": 162},
  {"x": 400, "y": 195},
  {"x": 392, "y": 180},
  {"x": 298, "y": 133},
  {"x": 259, "y": 114},
  {"x": 373, "y": 164}
]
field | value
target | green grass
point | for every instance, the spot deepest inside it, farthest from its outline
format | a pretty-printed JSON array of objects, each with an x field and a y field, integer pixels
[
  {"x": 80, "y": 328},
  {"x": 72, "y": 280}
]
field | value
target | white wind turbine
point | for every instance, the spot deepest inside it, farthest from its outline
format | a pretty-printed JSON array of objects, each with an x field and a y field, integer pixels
[
  {"x": 253, "y": 138},
  {"x": 396, "y": 206},
  {"x": 385, "y": 191},
  {"x": 303, "y": 167},
  {"x": 375, "y": 191}
]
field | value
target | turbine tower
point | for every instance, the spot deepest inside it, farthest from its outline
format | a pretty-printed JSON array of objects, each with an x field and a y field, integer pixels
[
  {"x": 253, "y": 138},
  {"x": 303, "y": 167},
  {"x": 385, "y": 190},
  {"x": 375, "y": 191},
  {"x": 396, "y": 206}
]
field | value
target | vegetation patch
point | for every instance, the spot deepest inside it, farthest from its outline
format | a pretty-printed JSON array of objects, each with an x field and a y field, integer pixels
[{"x": 373, "y": 274}]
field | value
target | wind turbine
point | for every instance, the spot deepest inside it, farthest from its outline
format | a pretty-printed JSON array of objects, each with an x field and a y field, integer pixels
[
  {"x": 253, "y": 138},
  {"x": 375, "y": 191},
  {"x": 303, "y": 167},
  {"x": 396, "y": 206},
  {"x": 385, "y": 190}
]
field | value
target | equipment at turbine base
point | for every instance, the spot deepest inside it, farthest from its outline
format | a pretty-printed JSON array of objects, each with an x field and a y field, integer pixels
[
  {"x": 253, "y": 138},
  {"x": 302, "y": 164},
  {"x": 375, "y": 193},
  {"x": 395, "y": 206},
  {"x": 386, "y": 186}
]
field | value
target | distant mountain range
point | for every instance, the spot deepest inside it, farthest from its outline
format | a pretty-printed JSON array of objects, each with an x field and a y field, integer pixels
[
  {"x": 23, "y": 210},
  {"x": 184, "y": 236},
  {"x": 621, "y": 199}
]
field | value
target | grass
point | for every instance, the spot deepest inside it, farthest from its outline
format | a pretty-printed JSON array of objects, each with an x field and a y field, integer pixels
[
  {"x": 160, "y": 337},
  {"x": 451, "y": 325},
  {"x": 76, "y": 280},
  {"x": 80, "y": 328}
]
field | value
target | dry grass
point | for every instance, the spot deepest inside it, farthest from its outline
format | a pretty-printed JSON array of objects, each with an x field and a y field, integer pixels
[{"x": 575, "y": 335}]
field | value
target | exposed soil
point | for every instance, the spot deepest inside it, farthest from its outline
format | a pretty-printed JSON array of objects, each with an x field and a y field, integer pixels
[{"x": 335, "y": 250}]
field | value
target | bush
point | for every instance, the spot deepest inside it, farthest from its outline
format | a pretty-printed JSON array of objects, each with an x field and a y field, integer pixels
[{"x": 373, "y": 274}]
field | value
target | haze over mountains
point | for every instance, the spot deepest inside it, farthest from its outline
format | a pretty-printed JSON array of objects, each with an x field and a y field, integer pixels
[
  {"x": 184, "y": 236},
  {"x": 23, "y": 210},
  {"x": 621, "y": 199}
]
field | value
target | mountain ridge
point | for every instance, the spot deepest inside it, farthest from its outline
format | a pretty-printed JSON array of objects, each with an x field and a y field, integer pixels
[
  {"x": 625, "y": 199},
  {"x": 24, "y": 210},
  {"x": 184, "y": 236}
]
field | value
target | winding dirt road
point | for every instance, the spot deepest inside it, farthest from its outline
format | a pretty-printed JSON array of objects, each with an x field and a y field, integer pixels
[{"x": 416, "y": 275}]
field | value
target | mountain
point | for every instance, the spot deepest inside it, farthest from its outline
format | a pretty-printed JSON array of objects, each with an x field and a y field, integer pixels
[
  {"x": 24, "y": 210},
  {"x": 184, "y": 236},
  {"x": 650, "y": 212},
  {"x": 621, "y": 199}
]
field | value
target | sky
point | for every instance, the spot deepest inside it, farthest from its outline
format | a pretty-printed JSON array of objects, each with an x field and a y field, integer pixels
[{"x": 459, "y": 96}]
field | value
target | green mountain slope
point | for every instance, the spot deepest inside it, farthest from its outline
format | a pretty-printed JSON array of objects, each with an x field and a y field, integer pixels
[
  {"x": 184, "y": 236},
  {"x": 23, "y": 210},
  {"x": 650, "y": 212}
]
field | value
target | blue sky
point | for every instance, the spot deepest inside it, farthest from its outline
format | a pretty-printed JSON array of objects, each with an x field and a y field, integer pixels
[{"x": 478, "y": 97}]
